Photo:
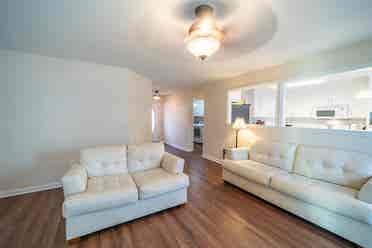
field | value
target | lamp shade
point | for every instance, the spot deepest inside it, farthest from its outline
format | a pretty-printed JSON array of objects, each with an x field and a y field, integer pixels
[{"x": 239, "y": 123}]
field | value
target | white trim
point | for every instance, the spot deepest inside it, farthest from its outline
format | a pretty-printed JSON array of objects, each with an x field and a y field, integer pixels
[
  {"x": 281, "y": 95},
  {"x": 180, "y": 147},
  {"x": 212, "y": 158},
  {"x": 31, "y": 189}
]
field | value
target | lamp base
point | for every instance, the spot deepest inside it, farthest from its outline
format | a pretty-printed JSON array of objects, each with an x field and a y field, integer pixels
[{"x": 236, "y": 138}]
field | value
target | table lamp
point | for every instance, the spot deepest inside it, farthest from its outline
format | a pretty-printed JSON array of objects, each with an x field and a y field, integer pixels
[{"x": 238, "y": 124}]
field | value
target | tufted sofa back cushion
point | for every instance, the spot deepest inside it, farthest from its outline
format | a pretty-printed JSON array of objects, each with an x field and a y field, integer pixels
[
  {"x": 275, "y": 154},
  {"x": 145, "y": 156},
  {"x": 350, "y": 169},
  {"x": 104, "y": 160}
]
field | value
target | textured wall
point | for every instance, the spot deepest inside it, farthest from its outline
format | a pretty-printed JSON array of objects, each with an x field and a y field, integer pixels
[
  {"x": 178, "y": 119},
  {"x": 50, "y": 108}
]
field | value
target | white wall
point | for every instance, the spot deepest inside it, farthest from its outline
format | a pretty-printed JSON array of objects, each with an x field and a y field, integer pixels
[
  {"x": 340, "y": 139},
  {"x": 218, "y": 134},
  {"x": 178, "y": 119},
  {"x": 50, "y": 108}
]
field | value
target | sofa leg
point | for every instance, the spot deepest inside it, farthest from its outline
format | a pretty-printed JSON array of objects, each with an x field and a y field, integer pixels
[
  {"x": 182, "y": 205},
  {"x": 73, "y": 241}
]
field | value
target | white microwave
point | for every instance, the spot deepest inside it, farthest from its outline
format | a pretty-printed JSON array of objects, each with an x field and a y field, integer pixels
[{"x": 341, "y": 111}]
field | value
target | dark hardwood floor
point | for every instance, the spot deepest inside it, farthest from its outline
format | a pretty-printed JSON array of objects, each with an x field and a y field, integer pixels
[{"x": 217, "y": 215}]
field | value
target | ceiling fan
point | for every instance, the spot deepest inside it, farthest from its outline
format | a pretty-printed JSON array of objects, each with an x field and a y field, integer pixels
[{"x": 235, "y": 29}]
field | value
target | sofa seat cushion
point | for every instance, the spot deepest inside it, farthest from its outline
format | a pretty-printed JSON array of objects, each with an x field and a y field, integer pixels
[
  {"x": 102, "y": 193},
  {"x": 335, "y": 198},
  {"x": 158, "y": 181},
  {"x": 252, "y": 170}
]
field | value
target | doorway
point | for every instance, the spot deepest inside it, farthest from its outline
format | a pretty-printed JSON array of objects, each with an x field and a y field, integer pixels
[{"x": 198, "y": 124}]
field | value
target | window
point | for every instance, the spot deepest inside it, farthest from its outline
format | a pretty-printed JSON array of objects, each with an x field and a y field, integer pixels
[
  {"x": 340, "y": 101},
  {"x": 335, "y": 102},
  {"x": 257, "y": 105}
]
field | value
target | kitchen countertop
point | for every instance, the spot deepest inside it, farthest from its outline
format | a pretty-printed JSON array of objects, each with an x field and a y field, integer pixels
[{"x": 198, "y": 125}]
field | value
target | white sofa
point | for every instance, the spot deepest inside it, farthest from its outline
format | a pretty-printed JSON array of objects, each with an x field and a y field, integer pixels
[
  {"x": 329, "y": 187},
  {"x": 115, "y": 184}
]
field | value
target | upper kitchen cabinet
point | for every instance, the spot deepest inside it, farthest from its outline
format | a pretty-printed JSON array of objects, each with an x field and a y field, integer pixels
[{"x": 256, "y": 104}]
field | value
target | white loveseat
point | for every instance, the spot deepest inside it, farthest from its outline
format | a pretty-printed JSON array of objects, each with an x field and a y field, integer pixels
[
  {"x": 115, "y": 184},
  {"x": 329, "y": 187}
]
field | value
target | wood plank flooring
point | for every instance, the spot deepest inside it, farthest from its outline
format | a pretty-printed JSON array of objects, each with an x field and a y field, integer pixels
[{"x": 217, "y": 215}]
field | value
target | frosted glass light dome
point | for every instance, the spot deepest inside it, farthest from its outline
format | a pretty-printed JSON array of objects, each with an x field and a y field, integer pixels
[{"x": 203, "y": 47}]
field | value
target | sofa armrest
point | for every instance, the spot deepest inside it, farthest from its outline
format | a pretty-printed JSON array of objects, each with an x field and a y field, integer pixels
[
  {"x": 172, "y": 163},
  {"x": 365, "y": 193},
  {"x": 241, "y": 153},
  {"x": 75, "y": 180}
]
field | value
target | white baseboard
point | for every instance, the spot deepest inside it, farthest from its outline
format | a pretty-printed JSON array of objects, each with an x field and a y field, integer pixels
[
  {"x": 212, "y": 158},
  {"x": 180, "y": 147},
  {"x": 31, "y": 189}
]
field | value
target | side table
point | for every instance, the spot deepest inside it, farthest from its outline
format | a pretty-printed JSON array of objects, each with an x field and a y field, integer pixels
[{"x": 240, "y": 153}]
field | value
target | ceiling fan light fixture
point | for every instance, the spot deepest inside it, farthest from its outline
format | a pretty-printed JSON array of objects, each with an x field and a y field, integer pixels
[
  {"x": 156, "y": 95},
  {"x": 204, "y": 37}
]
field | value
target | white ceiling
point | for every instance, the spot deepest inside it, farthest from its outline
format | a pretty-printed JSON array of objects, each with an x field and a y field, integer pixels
[{"x": 147, "y": 36}]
